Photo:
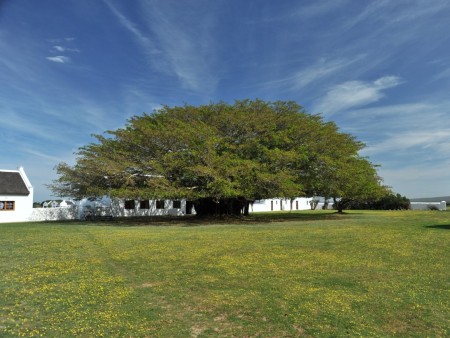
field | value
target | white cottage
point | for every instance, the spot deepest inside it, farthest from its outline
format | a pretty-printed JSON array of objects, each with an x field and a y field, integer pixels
[{"x": 16, "y": 196}]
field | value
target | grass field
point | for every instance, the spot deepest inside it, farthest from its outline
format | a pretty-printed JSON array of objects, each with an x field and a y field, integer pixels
[{"x": 372, "y": 274}]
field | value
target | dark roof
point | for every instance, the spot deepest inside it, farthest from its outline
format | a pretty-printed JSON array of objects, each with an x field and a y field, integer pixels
[{"x": 11, "y": 183}]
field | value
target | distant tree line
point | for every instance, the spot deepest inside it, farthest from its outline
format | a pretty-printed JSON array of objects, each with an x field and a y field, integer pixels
[{"x": 388, "y": 202}]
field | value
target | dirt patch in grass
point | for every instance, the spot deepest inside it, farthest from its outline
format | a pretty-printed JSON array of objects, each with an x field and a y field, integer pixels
[{"x": 196, "y": 331}]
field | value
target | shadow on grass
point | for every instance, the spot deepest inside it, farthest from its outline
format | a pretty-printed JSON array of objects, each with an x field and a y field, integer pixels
[
  {"x": 439, "y": 226},
  {"x": 189, "y": 221}
]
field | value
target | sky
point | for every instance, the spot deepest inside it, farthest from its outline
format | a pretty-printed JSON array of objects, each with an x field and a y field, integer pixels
[{"x": 379, "y": 69}]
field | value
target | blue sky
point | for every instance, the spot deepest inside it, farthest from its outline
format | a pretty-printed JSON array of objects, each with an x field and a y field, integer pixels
[{"x": 379, "y": 69}]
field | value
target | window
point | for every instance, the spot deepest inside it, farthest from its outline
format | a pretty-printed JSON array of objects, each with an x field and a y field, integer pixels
[
  {"x": 129, "y": 204},
  {"x": 160, "y": 204},
  {"x": 7, "y": 205},
  {"x": 176, "y": 204},
  {"x": 144, "y": 204}
]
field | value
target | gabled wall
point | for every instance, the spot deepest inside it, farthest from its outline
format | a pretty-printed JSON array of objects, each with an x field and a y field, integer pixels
[{"x": 23, "y": 204}]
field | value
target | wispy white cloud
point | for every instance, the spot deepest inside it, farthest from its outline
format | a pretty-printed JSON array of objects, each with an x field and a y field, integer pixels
[
  {"x": 15, "y": 65},
  {"x": 443, "y": 74},
  {"x": 19, "y": 124},
  {"x": 137, "y": 100},
  {"x": 308, "y": 11},
  {"x": 186, "y": 48},
  {"x": 317, "y": 8},
  {"x": 59, "y": 59},
  {"x": 430, "y": 140},
  {"x": 314, "y": 74},
  {"x": 322, "y": 69},
  {"x": 400, "y": 128},
  {"x": 96, "y": 116},
  {"x": 142, "y": 39},
  {"x": 61, "y": 49},
  {"x": 42, "y": 155},
  {"x": 386, "y": 32},
  {"x": 355, "y": 94},
  {"x": 62, "y": 40},
  {"x": 40, "y": 116},
  {"x": 380, "y": 122},
  {"x": 393, "y": 13}
]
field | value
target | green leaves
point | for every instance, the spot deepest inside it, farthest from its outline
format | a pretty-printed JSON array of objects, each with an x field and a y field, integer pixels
[{"x": 248, "y": 150}]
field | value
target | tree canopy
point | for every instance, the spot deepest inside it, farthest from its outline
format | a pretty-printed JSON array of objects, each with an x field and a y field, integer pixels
[{"x": 222, "y": 157}]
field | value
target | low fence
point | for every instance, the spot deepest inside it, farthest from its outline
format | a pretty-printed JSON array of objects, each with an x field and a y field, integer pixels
[
  {"x": 54, "y": 214},
  {"x": 83, "y": 213}
]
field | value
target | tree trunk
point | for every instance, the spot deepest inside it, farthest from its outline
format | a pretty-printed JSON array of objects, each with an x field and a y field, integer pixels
[
  {"x": 338, "y": 205},
  {"x": 247, "y": 208},
  {"x": 208, "y": 206}
]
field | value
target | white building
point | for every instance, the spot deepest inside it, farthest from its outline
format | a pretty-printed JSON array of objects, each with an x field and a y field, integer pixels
[
  {"x": 281, "y": 204},
  {"x": 16, "y": 196},
  {"x": 428, "y": 205},
  {"x": 131, "y": 208}
]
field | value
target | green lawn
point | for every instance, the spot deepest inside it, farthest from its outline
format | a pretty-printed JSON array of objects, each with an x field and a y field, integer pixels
[{"x": 374, "y": 274}]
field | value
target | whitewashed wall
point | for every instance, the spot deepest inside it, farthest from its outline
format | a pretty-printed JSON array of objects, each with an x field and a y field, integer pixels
[
  {"x": 53, "y": 214},
  {"x": 104, "y": 207},
  {"x": 118, "y": 209},
  {"x": 281, "y": 204},
  {"x": 22, "y": 210},
  {"x": 23, "y": 205}
]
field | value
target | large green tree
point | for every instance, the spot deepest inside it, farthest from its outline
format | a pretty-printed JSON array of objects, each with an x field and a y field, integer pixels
[{"x": 221, "y": 157}]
